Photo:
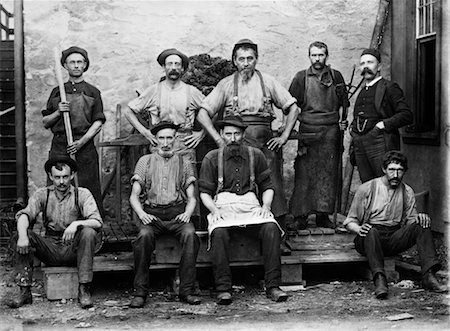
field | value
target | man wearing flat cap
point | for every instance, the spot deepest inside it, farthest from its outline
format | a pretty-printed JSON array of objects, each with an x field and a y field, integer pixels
[
  {"x": 170, "y": 100},
  {"x": 85, "y": 106},
  {"x": 72, "y": 225},
  {"x": 252, "y": 94},
  {"x": 380, "y": 111},
  {"x": 231, "y": 180},
  {"x": 162, "y": 196}
]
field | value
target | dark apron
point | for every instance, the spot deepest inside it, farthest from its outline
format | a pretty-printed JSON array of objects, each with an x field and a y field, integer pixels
[
  {"x": 316, "y": 165},
  {"x": 87, "y": 156}
]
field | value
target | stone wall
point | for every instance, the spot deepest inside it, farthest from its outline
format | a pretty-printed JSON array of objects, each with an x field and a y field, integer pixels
[{"x": 123, "y": 39}]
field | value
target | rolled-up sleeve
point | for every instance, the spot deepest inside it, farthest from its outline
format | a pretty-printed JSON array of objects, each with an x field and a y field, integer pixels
[
  {"x": 189, "y": 172},
  {"x": 208, "y": 176},
  {"x": 88, "y": 206},
  {"x": 280, "y": 95},
  {"x": 262, "y": 172},
  {"x": 216, "y": 100},
  {"x": 140, "y": 170},
  {"x": 35, "y": 205},
  {"x": 143, "y": 101}
]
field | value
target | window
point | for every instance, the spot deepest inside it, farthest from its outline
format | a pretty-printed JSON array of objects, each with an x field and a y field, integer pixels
[{"x": 426, "y": 110}]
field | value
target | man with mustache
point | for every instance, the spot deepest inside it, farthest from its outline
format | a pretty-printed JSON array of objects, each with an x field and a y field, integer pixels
[
  {"x": 320, "y": 92},
  {"x": 72, "y": 223},
  {"x": 231, "y": 179},
  {"x": 384, "y": 218},
  {"x": 170, "y": 100},
  {"x": 84, "y": 103},
  {"x": 252, "y": 94},
  {"x": 380, "y": 110},
  {"x": 162, "y": 196}
]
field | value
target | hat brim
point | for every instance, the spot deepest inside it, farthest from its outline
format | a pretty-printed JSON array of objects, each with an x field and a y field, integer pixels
[
  {"x": 222, "y": 123},
  {"x": 158, "y": 128},
  {"x": 60, "y": 159},
  {"x": 162, "y": 57}
]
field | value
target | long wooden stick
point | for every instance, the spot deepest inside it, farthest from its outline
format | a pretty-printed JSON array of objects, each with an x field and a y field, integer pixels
[{"x": 66, "y": 115}]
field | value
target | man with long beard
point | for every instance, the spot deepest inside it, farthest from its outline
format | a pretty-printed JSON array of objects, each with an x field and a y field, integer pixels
[
  {"x": 380, "y": 110},
  {"x": 251, "y": 95}
]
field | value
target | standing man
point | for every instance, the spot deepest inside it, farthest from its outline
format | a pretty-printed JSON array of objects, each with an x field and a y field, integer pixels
[
  {"x": 71, "y": 220},
  {"x": 233, "y": 175},
  {"x": 384, "y": 218},
  {"x": 251, "y": 94},
  {"x": 320, "y": 92},
  {"x": 165, "y": 181},
  {"x": 84, "y": 103},
  {"x": 380, "y": 110},
  {"x": 170, "y": 100}
]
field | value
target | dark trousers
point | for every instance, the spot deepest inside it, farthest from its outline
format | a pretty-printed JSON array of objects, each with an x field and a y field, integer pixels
[
  {"x": 369, "y": 152},
  {"x": 144, "y": 244},
  {"x": 387, "y": 241},
  {"x": 50, "y": 250},
  {"x": 269, "y": 236}
]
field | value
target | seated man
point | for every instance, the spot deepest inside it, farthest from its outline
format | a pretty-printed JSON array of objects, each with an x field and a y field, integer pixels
[
  {"x": 71, "y": 219},
  {"x": 165, "y": 180},
  {"x": 383, "y": 215},
  {"x": 233, "y": 175}
]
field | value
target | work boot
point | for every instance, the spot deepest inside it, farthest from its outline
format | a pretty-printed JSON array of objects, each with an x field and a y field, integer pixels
[
  {"x": 323, "y": 221},
  {"x": 190, "y": 299},
  {"x": 23, "y": 298},
  {"x": 302, "y": 222},
  {"x": 224, "y": 298},
  {"x": 430, "y": 283},
  {"x": 84, "y": 295},
  {"x": 381, "y": 288},
  {"x": 137, "y": 302},
  {"x": 276, "y": 294},
  {"x": 284, "y": 248}
]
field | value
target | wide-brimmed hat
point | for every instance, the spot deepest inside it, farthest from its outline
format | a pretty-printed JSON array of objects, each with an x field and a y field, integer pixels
[
  {"x": 163, "y": 125},
  {"x": 247, "y": 43},
  {"x": 75, "y": 49},
  {"x": 173, "y": 51},
  {"x": 60, "y": 159},
  {"x": 232, "y": 120},
  {"x": 372, "y": 51}
]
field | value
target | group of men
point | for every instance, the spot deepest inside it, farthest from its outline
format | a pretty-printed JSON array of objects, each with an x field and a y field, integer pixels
[{"x": 240, "y": 183}]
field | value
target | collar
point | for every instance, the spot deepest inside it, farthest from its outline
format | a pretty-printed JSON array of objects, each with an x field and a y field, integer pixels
[
  {"x": 242, "y": 153},
  {"x": 373, "y": 82},
  {"x": 325, "y": 77},
  {"x": 313, "y": 72}
]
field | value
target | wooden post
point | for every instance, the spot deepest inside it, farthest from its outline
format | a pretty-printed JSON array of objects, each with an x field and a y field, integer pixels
[{"x": 118, "y": 199}]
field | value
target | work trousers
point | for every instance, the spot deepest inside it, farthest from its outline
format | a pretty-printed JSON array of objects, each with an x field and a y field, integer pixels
[
  {"x": 51, "y": 251},
  {"x": 269, "y": 236},
  {"x": 384, "y": 241},
  {"x": 144, "y": 245},
  {"x": 369, "y": 152}
]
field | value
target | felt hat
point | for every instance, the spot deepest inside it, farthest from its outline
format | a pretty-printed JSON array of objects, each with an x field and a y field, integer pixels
[
  {"x": 232, "y": 120},
  {"x": 173, "y": 51},
  {"x": 163, "y": 125},
  {"x": 60, "y": 159},
  {"x": 247, "y": 43},
  {"x": 372, "y": 51},
  {"x": 75, "y": 49}
]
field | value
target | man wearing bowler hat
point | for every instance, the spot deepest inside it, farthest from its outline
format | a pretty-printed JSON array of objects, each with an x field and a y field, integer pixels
[
  {"x": 380, "y": 111},
  {"x": 231, "y": 180},
  {"x": 162, "y": 196},
  {"x": 252, "y": 94},
  {"x": 85, "y": 106},
  {"x": 170, "y": 100},
  {"x": 72, "y": 223}
]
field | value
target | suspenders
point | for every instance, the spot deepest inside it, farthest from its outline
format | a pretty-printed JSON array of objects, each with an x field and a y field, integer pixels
[
  {"x": 178, "y": 175},
  {"x": 44, "y": 213},
  {"x": 188, "y": 118},
  {"x": 251, "y": 153}
]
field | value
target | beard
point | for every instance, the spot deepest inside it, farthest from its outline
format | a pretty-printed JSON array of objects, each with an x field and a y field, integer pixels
[
  {"x": 318, "y": 65},
  {"x": 234, "y": 149},
  {"x": 394, "y": 182},
  {"x": 166, "y": 153},
  {"x": 246, "y": 74}
]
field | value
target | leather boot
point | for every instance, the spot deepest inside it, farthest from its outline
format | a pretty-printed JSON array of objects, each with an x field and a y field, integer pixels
[
  {"x": 323, "y": 221},
  {"x": 430, "y": 283},
  {"x": 284, "y": 248},
  {"x": 381, "y": 288},
  {"x": 84, "y": 295},
  {"x": 23, "y": 298}
]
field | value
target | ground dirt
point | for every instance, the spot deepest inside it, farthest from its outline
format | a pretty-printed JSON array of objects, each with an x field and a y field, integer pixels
[{"x": 324, "y": 304}]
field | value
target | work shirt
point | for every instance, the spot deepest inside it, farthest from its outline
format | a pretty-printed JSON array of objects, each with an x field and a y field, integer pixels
[
  {"x": 382, "y": 205},
  {"x": 61, "y": 212},
  {"x": 166, "y": 104},
  {"x": 92, "y": 107},
  {"x": 250, "y": 97},
  {"x": 161, "y": 180},
  {"x": 236, "y": 172}
]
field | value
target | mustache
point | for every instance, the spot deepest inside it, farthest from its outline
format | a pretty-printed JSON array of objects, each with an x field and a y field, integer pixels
[
  {"x": 367, "y": 71},
  {"x": 174, "y": 72}
]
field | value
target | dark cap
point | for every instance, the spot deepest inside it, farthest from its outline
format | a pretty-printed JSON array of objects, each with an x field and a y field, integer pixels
[
  {"x": 75, "y": 49},
  {"x": 173, "y": 51},
  {"x": 372, "y": 51},
  {"x": 246, "y": 43},
  {"x": 60, "y": 159},
  {"x": 231, "y": 120},
  {"x": 163, "y": 125}
]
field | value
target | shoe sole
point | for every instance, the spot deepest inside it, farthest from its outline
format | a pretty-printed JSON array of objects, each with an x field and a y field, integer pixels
[
  {"x": 224, "y": 302},
  {"x": 381, "y": 296}
]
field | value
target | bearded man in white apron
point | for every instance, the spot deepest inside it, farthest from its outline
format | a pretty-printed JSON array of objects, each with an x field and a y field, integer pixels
[{"x": 231, "y": 179}]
